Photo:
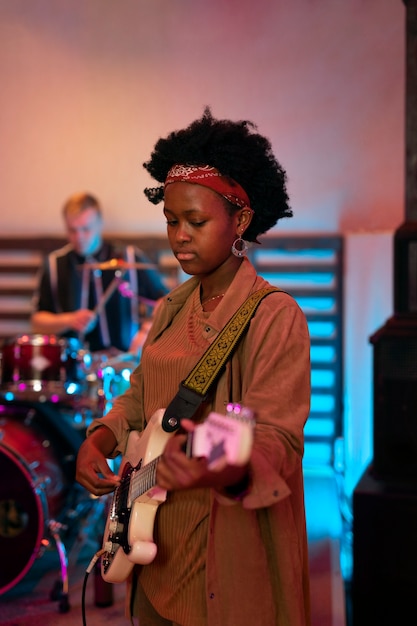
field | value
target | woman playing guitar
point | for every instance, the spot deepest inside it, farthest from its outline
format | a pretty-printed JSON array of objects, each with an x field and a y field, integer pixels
[{"x": 230, "y": 539}]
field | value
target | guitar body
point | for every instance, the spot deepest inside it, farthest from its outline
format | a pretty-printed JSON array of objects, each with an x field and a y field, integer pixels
[{"x": 128, "y": 535}]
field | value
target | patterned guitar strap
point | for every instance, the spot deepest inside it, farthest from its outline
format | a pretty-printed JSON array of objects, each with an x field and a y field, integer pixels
[{"x": 194, "y": 389}]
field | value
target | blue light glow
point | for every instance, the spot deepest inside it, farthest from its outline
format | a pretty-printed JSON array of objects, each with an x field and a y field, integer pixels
[
  {"x": 310, "y": 279},
  {"x": 311, "y": 304},
  {"x": 322, "y": 329},
  {"x": 322, "y": 354},
  {"x": 323, "y": 378},
  {"x": 319, "y": 427},
  {"x": 322, "y": 403}
]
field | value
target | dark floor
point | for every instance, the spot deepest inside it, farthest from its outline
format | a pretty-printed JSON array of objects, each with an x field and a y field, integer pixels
[{"x": 36, "y": 599}]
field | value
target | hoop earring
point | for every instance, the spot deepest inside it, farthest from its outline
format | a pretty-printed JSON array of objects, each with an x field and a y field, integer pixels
[{"x": 240, "y": 247}]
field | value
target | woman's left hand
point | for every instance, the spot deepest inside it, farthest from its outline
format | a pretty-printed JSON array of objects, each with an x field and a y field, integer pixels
[{"x": 176, "y": 470}]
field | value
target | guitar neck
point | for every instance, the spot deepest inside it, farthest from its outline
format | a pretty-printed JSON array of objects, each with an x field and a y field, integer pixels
[
  {"x": 220, "y": 439},
  {"x": 143, "y": 479}
]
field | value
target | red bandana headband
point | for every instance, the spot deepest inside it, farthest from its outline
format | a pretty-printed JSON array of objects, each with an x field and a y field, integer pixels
[{"x": 210, "y": 177}]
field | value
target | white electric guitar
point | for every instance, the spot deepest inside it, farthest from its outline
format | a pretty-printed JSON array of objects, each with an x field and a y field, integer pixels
[{"x": 128, "y": 535}]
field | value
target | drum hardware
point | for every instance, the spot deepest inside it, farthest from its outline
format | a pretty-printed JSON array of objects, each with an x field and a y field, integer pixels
[
  {"x": 48, "y": 402},
  {"x": 93, "y": 512},
  {"x": 114, "y": 373},
  {"x": 86, "y": 406},
  {"x": 62, "y": 373},
  {"x": 101, "y": 387},
  {"x": 39, "y": 497},
  {"x": 60, "y": 590}
]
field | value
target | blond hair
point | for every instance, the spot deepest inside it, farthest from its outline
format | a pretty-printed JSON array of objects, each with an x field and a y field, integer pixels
[{"x": 80, "y": 202}]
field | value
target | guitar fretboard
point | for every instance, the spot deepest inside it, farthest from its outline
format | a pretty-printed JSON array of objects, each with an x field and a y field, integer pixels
[{"x": 143, "y": 479}]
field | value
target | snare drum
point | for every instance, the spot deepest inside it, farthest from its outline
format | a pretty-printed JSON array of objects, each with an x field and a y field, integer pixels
[
  {"x": 41, "y": 367},
  {"x": 37, "y": 466}
]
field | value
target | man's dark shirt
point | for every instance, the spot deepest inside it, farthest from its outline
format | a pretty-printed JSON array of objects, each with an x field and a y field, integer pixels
[{"x": 67, "y": 297}]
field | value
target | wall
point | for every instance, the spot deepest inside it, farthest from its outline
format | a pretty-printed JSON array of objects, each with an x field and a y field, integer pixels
[
  {"x": 88, "y": 86},
  {"x": 368, "y": 305}
]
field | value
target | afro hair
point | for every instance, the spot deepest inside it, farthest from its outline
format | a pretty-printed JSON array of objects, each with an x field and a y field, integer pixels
[{"x": 236, "y": 150}]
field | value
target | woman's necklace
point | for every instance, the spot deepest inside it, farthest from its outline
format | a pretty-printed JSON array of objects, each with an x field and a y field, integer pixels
[{"x": 212, "y": 298}]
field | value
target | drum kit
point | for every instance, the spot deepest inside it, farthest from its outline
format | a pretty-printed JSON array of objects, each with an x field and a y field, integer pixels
[{"x": 51, "y": 388}]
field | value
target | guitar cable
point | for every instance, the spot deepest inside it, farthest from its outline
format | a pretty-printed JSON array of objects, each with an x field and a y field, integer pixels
[{"x": 88, "y": 571}]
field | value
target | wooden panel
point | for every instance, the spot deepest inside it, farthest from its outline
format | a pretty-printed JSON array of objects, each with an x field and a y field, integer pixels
[{"x": 309, "y": 267}]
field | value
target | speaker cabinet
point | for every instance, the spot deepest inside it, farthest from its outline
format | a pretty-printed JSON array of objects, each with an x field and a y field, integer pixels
[
  {"x": 405, "y": 265},
  {"x": 395, "y": 400},
  {"x": 384, "y": 579}
]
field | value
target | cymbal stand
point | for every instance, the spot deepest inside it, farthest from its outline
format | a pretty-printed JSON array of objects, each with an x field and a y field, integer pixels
[{"x": 60, "y": 592}]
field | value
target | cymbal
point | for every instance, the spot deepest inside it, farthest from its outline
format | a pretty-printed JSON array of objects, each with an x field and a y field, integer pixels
[{"x": 117, "y": 264}]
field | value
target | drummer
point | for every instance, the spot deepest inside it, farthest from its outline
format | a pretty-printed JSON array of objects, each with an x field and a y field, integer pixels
[{"x": 93, "y": 290}]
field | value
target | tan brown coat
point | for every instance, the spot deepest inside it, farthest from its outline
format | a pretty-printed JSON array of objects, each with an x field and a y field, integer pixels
[{"x": 257, "y": 562}]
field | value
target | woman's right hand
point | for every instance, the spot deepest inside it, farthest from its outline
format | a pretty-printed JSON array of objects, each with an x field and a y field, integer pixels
[{"x": 92, "y": 469}]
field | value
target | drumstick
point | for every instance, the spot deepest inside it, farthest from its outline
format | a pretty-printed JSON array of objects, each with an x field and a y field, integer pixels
[
  {"x": 104, "y": 298},
  {"x": 108, "y": 293}
]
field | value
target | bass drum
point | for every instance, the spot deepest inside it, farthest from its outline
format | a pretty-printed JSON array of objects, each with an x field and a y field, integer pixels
[{"x": 37, "y": 469}]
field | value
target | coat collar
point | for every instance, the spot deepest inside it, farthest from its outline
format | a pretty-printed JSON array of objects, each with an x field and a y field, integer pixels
[{"x": 245, "y": 282}]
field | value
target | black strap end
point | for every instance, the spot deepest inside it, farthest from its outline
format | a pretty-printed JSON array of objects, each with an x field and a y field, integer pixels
[{"x": 185, "y": 404}]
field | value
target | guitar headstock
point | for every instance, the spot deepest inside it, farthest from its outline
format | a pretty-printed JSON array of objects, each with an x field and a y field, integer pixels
[{"x": 225, "y": 439}]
